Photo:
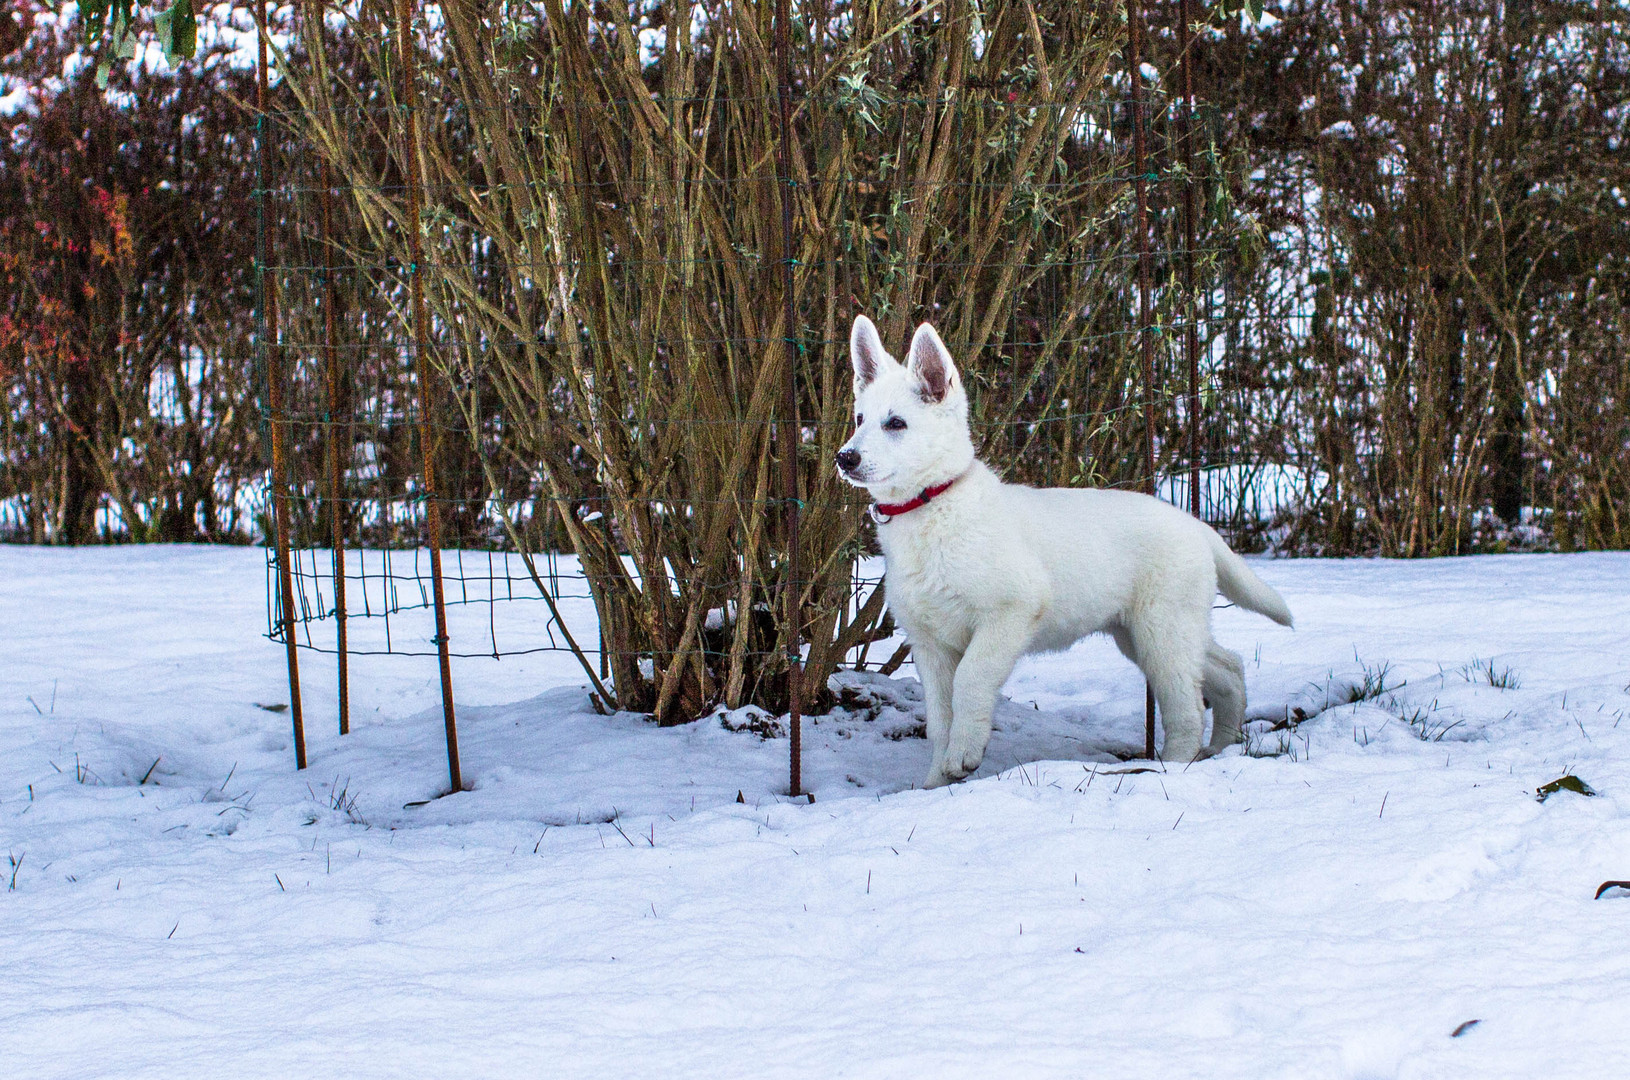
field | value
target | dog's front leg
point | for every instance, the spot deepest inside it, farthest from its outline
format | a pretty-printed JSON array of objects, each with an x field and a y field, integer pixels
[
  {"x": 989, "y": 660},
  {"x": 936, "y": 665}
]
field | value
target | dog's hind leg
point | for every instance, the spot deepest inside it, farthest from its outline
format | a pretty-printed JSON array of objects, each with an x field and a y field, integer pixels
[
  {"x": 1173, "y": 657},
  {"x": 1224, "y": 688},
  {"x": 936, "y": 666}
]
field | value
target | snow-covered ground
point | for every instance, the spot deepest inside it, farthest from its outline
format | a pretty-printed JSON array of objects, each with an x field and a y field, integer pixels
[{"x": 1333, "y": 900}]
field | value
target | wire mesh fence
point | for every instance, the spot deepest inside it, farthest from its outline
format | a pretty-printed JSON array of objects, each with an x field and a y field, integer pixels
[
  {"x": 566, "y": 295},
  {"x": 608, "y": 312}
]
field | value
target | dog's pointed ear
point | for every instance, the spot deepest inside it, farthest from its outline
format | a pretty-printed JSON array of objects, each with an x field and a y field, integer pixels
[
  {"x": 866, "y": 352},
  {"x": 930, "y": 362}
]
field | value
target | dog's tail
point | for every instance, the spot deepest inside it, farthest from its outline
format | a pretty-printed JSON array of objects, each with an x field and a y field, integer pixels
[{"x": 1240, "y": 584}]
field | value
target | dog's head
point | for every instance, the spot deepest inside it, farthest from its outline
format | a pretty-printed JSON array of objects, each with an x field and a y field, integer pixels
[{"x": 911, "y": 419}]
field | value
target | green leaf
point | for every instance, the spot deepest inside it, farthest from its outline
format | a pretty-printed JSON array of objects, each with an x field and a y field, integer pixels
[
  {"x": 1569, "y": 782},
  {"x": 177, "y": 31},
  {"x": 1256, "y": 10},
  {"x": 117, "y": 42},
  {"x": 108, "y": 30},
  {"x": 112, "y": 21},
  {"x": 183, "y": 39}
]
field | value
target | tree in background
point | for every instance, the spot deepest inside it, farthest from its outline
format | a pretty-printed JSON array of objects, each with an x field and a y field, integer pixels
[
  {"x": 1441, "y": 183},
  {"x": 1414, "y": 216},
  {"x": 126, "y": 294}
]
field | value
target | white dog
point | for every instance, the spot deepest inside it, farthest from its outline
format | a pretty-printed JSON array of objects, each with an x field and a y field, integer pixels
[{"x": 981, "y": 572}]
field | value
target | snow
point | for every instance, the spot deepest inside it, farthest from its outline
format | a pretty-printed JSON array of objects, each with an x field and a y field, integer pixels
[{"x": 1332, "y": 900}]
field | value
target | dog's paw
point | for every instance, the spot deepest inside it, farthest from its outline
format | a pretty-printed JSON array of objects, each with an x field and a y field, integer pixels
[
  {"x": 1184, "y": 755},
  {"x": 961, "y": 761},
  {"x": 936, "y": 778}
]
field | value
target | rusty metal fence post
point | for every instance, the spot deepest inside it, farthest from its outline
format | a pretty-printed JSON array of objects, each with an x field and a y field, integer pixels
[
  {"x": 335, "y": 429},
  {"x": 1134, "y": 20},
  {"x": 1191, "y": 331},
  {"x": 427, "y": 395},
  {"x": 789, "y": 427},
  {"x": 272, "y": 367}
]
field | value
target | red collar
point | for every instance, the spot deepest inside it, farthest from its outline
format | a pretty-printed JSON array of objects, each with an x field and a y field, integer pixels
[{"x": 882, "y": 512}]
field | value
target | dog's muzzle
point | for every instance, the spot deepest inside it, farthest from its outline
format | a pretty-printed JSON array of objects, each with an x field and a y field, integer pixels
[{"x": 848, "y": 459}]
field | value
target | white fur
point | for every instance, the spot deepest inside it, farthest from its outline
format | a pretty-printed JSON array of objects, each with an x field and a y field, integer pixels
[{"x": 988, "y": 572}]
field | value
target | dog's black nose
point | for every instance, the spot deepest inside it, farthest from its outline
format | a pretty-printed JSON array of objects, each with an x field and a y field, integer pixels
[{"x": 848, "y": 458}]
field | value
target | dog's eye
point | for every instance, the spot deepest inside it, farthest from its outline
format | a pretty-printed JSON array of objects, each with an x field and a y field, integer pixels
[
  {"x": 859, "y": 420},
  {"x": 894, "y": 423}
]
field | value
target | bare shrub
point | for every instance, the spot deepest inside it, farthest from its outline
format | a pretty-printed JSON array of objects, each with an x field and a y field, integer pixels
[{"x": 604, "y": 234}]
